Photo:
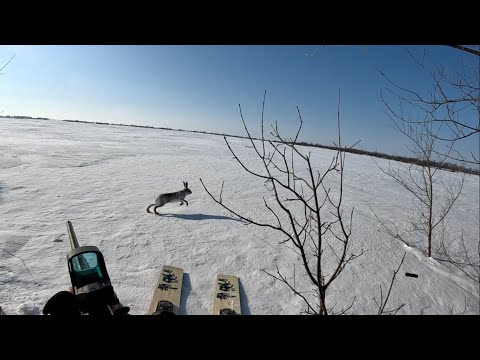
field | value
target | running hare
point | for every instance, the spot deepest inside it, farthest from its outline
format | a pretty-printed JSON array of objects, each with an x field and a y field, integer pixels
[{"x": 178, "y": 196}]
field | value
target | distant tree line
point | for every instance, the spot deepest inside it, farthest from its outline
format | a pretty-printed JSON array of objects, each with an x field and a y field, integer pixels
[
  {"x": 25, "y": 117},
  {"x": 404, "y": 159}
]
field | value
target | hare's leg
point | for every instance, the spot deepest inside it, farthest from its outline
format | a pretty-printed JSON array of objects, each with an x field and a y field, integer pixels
[
  {"x": 186, "y": 202},
  {"x": 149, "y": 206},
  {"x": 181, "y": 203},
  {"x": 155, "y": 209}
]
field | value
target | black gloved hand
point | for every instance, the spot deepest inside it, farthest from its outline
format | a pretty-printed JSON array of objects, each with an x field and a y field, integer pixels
[{"x": 62, "y": 303}]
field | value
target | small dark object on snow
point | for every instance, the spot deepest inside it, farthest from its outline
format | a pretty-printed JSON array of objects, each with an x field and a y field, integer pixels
[{"x": 411, "y": 275}]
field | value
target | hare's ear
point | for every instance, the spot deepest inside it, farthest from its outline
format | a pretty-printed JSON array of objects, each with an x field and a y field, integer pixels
[{"x": 186, "y": 184}]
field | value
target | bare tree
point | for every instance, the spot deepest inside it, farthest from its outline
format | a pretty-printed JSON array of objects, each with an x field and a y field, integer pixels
[
  {"x": 433, "y": 197},
  {"x": 451, "y": 110},
  {"x": 307, "y": 214},
  {"x": 444, "y": 118}
]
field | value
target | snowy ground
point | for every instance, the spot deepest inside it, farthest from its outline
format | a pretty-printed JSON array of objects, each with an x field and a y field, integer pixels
[{"x": 103, "y": 177}]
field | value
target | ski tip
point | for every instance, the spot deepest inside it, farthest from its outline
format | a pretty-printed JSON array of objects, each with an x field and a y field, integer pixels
[
  {"x": 165, "y": 308},
  {"x": 227, "y": 311}
]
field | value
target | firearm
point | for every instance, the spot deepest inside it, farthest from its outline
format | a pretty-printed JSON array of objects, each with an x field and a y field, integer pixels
[{"x": 91, "y": 284}]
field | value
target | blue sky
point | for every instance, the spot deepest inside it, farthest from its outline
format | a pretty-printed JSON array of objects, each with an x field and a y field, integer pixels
[{"x": 199, "y": 87}]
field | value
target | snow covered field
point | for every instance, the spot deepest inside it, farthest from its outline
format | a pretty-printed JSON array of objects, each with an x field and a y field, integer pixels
[{"x": 102, "y": 178}]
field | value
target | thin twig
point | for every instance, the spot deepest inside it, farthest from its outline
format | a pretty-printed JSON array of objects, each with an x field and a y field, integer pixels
[{"x": 381, "y": 307}]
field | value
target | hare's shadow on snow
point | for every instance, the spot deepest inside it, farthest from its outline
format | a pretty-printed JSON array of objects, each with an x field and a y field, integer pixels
[{"x": 202, "y": 217}]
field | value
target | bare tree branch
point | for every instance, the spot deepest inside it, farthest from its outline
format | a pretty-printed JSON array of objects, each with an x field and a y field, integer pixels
[
  {"x": 383, "y": 304},
  {"x": 454, "y": 97},
  {"x": 8, "y": 62},
  {"x": 23, "y": 262},
  {"x": 468, "y": 266},
  {"x": 281, "y": 278},
  {"x": 464, "y": 48}
]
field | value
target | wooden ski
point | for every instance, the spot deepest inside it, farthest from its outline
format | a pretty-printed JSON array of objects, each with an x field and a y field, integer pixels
[
  {"x": 166, "y": 298},
  {"x": 227, "y": 296}
]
